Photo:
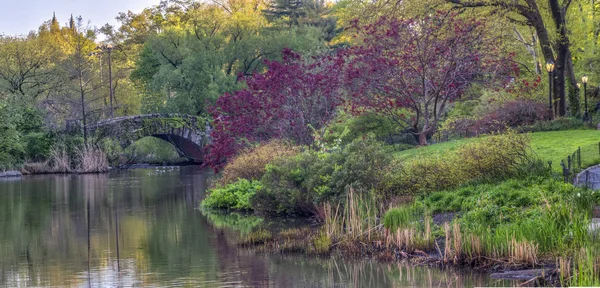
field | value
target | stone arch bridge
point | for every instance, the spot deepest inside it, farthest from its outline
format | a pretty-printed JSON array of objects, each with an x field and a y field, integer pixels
[{"x": 189, "y": 134}]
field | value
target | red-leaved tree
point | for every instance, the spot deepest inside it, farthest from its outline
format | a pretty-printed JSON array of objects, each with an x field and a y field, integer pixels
[
  {"x": 288, "y": 101},
  {"x": 422, "y": 65}
]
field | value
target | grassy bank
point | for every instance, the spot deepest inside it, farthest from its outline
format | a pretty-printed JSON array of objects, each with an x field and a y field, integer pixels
[
  {"x": 549, "y": 146},
  {"x": 487, "y": 202}
]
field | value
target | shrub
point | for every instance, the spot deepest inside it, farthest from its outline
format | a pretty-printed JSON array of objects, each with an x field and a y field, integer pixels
[
  {"x": 512, "y": 114},
  {"x": 234, "y": 196},
  {"x": 427, "y": 174},
  {"x": 564, "y": 123},
  {"x": 250, "y": 163},
  {"x": 497, "y": 157},
  {"x": 493, "y": 158},
  {"x": 38, "y": 145},
  {"x": 294, "y": 185},
  {"x": 456, "y": 127},
  {"x": 283, "y": 192}
]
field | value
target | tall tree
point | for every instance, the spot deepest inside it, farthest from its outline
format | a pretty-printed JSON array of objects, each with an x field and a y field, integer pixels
[
  {"x": 420, "y": 64},
  {"x": 291, "y": 100},
  {"x": 78, "y": 67},
  {"x": 189, "y": 65},
  {"x": 554, "y": 39},
  {"x": 25, "y": 67}
]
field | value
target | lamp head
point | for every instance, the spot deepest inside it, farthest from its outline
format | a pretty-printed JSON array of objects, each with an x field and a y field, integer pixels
[
  {"x": 550, "y": 66},
  {"x": 584, "y": 79}
]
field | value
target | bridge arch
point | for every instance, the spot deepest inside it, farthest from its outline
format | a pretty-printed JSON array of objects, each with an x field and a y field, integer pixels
[{"x": 189, "y": 134}]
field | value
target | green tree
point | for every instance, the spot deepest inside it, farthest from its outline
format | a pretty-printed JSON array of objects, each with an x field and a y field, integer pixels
[{"x": 188, "y": 65}]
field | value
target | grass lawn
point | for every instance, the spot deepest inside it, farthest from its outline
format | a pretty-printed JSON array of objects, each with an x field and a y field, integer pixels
[{"x": 550, "y": 146}]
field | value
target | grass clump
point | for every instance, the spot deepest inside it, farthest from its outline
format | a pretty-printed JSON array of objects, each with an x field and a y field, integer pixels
[
  {"x": 258, "y": 237},
  {"x": 322, "y": 243},
  {"x": 234, "y": 196}
]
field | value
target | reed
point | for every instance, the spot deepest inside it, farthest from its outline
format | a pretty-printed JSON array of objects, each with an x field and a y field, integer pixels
[
  {"x": 457, "y": 242},
  {"x": 448, "y": 236},
  {"x": 91, "y": 160},
  {"x": 60, "y": 161},
  {"x": 586, "y": 268},
  {"x": 523, "y": 252},
  {"x": 261, "y": 236}
]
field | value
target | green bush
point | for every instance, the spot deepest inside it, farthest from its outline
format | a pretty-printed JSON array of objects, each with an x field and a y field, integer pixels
[
  {"x": 284, "y": 192},
  {"x": 31, "y": 120},
  {"x": 294, "y": 185},
  {"x": 11, "y": 149},
  {"x": 428, "y": 174},
  {"x": 234, "y": 196},
  {"x": 38, "y": 145},
  {"x": 492, "y": 159},
  {"x": 251, "y": 163}
]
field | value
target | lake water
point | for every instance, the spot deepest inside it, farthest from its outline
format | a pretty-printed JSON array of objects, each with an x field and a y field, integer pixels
[{"x": 142, "y": 228}]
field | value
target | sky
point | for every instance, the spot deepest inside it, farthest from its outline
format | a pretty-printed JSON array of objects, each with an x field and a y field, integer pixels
[{"x": 18, "y": 17}]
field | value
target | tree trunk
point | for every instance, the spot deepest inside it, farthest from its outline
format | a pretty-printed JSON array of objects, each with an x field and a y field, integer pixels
[
  {"x": 531, "y": 12},
  {"x": 422, "y": 138}
]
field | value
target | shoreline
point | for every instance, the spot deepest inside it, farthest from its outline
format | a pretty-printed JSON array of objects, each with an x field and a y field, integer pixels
[
  {"x": 23, "y": 172},
  {"x": 300, "y": 241}
]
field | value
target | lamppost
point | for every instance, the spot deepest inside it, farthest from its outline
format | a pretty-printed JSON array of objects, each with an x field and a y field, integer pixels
[
  {"x": 550, "y": 68},
  {"x": 108, "y": 49},
  {"x": 578, "y": 98},
  {"x": 584, "y": 80}
]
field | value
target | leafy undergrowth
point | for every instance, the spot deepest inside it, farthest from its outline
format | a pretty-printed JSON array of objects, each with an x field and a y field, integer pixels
[
  {"x": 549, "y": 146},
  {"x": 527, "y": 222},
  {"x": 234, "y": 196}
]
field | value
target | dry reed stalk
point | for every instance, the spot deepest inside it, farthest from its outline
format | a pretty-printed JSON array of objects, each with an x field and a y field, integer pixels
[
  {"x": 476, "y": 247},
  {"x": 353, "y": 219},
  {"x": 405, "y": 239},
  {"x": 457, "y": 242},
  {"x": 61, "y": 163},
  {"x": 447, "y": 243},
  {"x": 93, "y": 160},
  {"x": 427, "y": 233},
  {"x": 37, "y": 167},
  {"x": 331, "y": 220},
  {"x": 523, "y": 252},
  {"x": 564, "y": 267}
]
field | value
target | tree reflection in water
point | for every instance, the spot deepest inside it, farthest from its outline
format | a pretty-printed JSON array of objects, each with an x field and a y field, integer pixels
[{"x": 142, "y": 228}]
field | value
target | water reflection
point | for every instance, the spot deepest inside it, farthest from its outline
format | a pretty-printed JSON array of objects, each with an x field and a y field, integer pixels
[{"x": 142, "y": 228}]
